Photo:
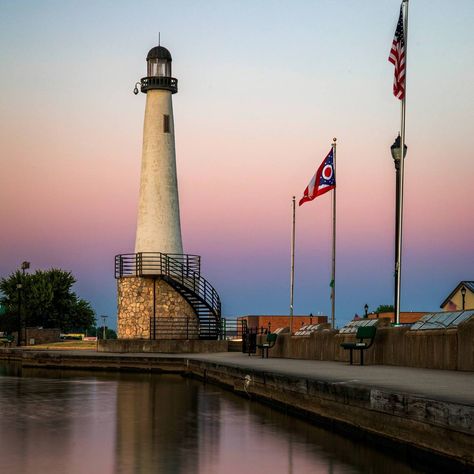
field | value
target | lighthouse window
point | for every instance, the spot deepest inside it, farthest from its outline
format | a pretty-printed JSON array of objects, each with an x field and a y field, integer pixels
[
  {"x": 166, "y": 123},
  {"x": 159, "y": 68}
]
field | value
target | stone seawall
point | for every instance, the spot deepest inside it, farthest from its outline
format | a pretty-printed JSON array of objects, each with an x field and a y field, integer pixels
[{"x": 436, "y": 427}]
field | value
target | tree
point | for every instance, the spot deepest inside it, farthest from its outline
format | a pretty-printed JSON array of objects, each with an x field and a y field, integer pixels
[
  {"x": 47, "y": 300},
  {"x": 99, "y": 332},
  {"x": 384, "y": 308}
]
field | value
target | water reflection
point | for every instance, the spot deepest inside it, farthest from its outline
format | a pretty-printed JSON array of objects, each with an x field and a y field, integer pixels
[
  {"x": 157, "y": 426},
  {"x": 79, "y": 422},
  {"x": 52, "y": 423}
]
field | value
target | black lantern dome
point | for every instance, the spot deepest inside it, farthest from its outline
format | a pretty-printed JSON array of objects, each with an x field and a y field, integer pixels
[
  {"x": 159, "y": 71},
  {"x": 159, "y": 52}
]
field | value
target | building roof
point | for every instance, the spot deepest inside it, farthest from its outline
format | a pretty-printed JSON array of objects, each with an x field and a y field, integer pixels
[
  {"x": 406, "y": 317},
  {"x": 283, "y": 316},
  {"x": 158, "y": 52},
  {"x": 466, "y": 283}
]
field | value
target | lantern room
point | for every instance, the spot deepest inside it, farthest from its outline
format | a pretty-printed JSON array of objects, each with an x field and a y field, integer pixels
[
  {"x": 159, "y": 71},
  {"x": 159, "y": 62}
]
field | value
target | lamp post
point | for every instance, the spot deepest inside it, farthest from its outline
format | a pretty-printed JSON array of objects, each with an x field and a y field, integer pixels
[
  {"x": 395, "y": 149},
  {"x": 24, "y": 266},
  {"x": 104, "y": 335},
  {"x": 366, "y": 308},
  {"x": 19, "y": 286},
  {"x": 463, "y": 294}
]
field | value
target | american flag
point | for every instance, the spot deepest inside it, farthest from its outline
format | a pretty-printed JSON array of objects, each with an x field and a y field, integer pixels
[{"x": 397, "y": 58}]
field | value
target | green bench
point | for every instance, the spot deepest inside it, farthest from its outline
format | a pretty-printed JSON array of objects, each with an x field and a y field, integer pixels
[
  {"x": 364, "y": 333},
  {"x": 268, "y": 344},
  {"x": 6, "y": 340}
]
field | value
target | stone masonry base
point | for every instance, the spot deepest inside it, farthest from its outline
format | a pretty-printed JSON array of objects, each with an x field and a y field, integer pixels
[{"x": 170, "y": 317}]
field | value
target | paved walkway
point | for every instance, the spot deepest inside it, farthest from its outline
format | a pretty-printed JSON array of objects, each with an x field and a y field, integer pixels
[{"x": 443, "y": 385}]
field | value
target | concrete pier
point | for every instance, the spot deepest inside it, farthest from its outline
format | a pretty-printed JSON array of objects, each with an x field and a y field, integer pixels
[{"x": 431, "y": 411}]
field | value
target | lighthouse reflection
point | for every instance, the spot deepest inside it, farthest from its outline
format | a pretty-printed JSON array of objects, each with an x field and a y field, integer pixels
[
  {"x": 157, "y": 425},
  {"x": 166, "y": 424}
]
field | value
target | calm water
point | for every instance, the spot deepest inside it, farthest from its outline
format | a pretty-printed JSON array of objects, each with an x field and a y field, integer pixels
[{"x": 59, "y": 422}]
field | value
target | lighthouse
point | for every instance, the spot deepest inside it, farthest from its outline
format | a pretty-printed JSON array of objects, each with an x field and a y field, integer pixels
[
  {"x": 158, "y": 224},
  {"x": 161, "y": 293}
]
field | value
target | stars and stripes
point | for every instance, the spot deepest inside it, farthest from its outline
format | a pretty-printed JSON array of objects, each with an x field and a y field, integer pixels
[
  {"x": 397, "y": 58},
  {"x": 323, "y": 181}
]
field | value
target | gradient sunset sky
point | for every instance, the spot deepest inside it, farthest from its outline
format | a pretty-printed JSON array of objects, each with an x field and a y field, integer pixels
[{"x": 264, "y": 86}]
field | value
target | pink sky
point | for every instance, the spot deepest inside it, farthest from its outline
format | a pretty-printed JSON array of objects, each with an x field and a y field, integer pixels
[{"x": 259, "y": 102}]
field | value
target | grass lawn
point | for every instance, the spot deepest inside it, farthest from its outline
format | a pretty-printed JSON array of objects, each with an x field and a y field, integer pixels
[{"x": 65, "y": 345}]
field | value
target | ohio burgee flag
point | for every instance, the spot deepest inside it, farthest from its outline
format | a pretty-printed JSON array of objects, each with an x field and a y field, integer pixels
[{"x": 323, "y": 181}]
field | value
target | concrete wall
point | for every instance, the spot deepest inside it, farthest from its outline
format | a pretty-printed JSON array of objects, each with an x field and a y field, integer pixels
[
  {"x": 43, "y": 335},
  {"x": 174, "y": 316},
  {"x": 320, "y": 345},
  {"x": 163, "y": 346},
  {"x": 465, "y": 354},
  {"x": 40, "y": 335},
  {"x": 450, "y": 349}
]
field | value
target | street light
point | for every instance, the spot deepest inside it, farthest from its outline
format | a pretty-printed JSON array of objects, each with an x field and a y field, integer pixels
[
  {"x": 463, "y": 294},
  {"x": 396, "y": 151},
  {"x": 104, "y": 335},
  {"x": 24, "y": 266},
  {"x": 366, "y": 308},
  {"x": 19, "y": 286}
]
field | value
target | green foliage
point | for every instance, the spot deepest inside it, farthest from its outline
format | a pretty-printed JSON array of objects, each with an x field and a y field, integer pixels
[
  {"x": 46, "y": 300},
  {"x": 99, "y": 332},
  {"x": 111, "y": 334},
  {"x": 384, "y": 308}
]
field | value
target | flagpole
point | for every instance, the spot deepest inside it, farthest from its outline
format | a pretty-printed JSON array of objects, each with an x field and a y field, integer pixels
[
  {"x": 398, "y": 257},
  {"x": 333, "y": 273},
  {"x": 292, "y": 274}
]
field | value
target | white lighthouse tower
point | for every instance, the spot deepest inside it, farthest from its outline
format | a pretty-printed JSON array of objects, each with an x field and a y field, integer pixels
[
  {"x": 158, "y": 224},
  {"x": 161, "y": 292}
]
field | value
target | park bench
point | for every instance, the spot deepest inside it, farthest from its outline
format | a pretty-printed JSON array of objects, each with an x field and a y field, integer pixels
[
  {"x": 268, "y": 344},
  {"x": 6, "y": 340},
  {"x": 364, "y": 333}
]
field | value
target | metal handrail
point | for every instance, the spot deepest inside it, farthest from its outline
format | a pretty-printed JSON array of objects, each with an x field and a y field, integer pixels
[
  {"x": 184, "y": 328},
  {"x": 159, "y": 82},
  {"x": 183, "y": 268}
]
